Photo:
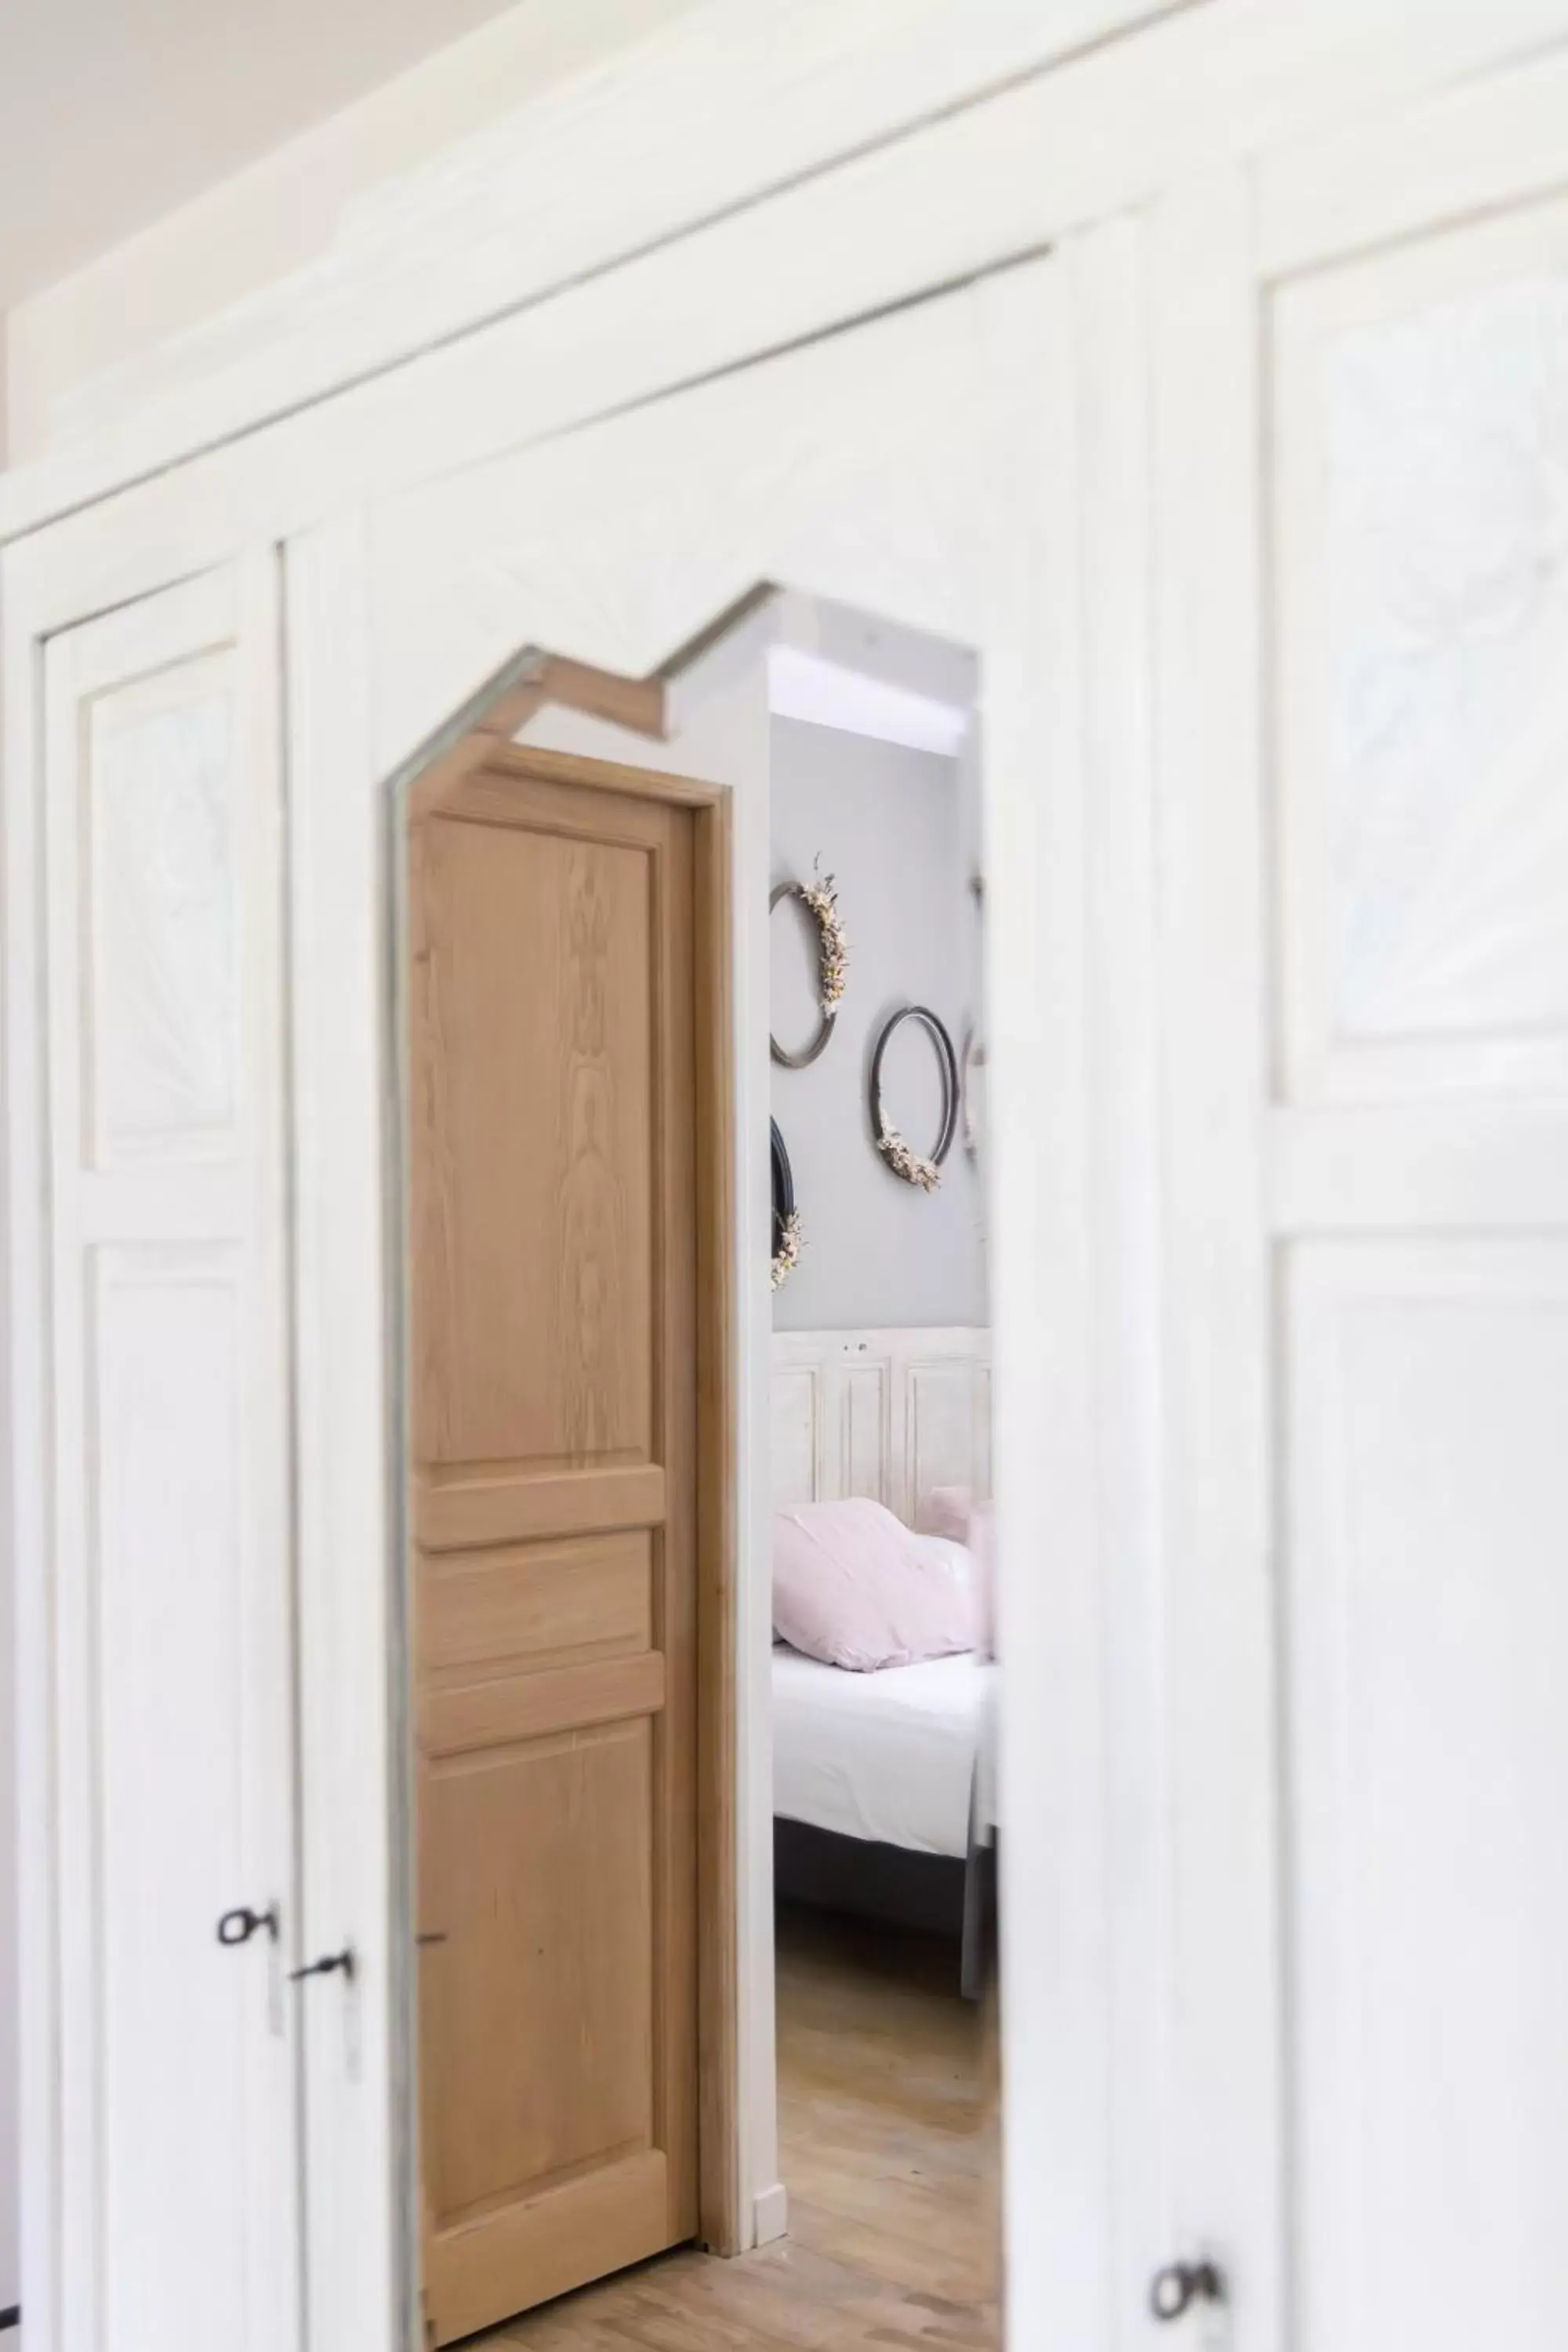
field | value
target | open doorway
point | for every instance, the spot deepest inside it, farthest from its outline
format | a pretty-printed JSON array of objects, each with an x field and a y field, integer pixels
[
  {"x": 631, "y": 1433},
  {"x": 882, "y": 1537}
]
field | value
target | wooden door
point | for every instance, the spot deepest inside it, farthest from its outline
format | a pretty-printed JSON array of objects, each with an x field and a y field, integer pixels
[{"x": 552, "y": 1113}]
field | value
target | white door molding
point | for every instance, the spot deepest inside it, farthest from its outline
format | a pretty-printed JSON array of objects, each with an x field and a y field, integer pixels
[{"x": 1066, "y": 139}]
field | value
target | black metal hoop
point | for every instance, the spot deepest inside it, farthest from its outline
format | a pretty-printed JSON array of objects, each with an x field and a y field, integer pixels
[
  {"x": 783, "y": 1185},
  {"x": 947, "y": 1062},
  {"x": 808, "y": 1054}
]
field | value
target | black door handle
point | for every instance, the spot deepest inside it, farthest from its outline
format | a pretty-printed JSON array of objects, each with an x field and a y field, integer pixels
[
  {"x": 332, "y": 1964},
  {"x": 1175, "y": 2289},
  {"x": 238, "y": 1927}
]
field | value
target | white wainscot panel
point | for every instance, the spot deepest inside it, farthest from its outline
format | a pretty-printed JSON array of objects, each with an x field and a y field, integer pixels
[
  {"x": 796, "y": 1434},
  {"x": 162, "y": 938},
  {"x": 1422, "y": 605},
  {"x": 891, "y": 1415},
  {"x": 940, "y": 1434},
  {"x": 1427, "y": 1664},
  {"x": 178, "y": 2016},
  {"x": 864, "y": 1429}
]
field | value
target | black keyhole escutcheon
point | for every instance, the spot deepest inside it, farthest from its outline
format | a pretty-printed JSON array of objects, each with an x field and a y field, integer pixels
[
  {"x": 1174, "y": 2291},
  {"x": 238, "y": 1927}
]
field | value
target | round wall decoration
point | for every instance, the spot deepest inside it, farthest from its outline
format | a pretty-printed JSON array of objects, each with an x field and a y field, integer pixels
[
  {"x": 787, "y": 1235},
  {"x": 899, "y": 1155},
  {"x": 820, "y": 899}
]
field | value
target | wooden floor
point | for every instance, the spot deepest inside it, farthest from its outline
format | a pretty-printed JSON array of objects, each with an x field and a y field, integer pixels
[{"x": 889, "y": 2153}]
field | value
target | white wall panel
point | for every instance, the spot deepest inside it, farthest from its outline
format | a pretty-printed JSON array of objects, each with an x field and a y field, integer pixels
[
  {"x": 165, "y": 2035},
  {"x": 161, "y": 929},
  {"x": 1427, "y": 1616},
  {"x": 1417, "y": 538},
  {"x": 887, "y": 1414},
  {"x": 1422, "y": 530},
  {"x": 797, "y": 1432},
  {"x": 864, "y": 1440}
]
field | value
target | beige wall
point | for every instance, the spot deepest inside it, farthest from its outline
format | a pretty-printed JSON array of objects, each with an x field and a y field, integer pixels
[{"x": 280, "y": 213}]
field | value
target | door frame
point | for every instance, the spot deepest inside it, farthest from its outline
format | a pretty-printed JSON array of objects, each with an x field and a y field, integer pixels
[{"x": 478, "y": 736}]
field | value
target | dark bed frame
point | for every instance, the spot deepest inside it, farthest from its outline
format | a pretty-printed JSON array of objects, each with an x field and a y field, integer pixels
[{"x": 933, "y": 1894}]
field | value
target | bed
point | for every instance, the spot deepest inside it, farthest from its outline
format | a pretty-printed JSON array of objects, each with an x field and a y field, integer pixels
[
  {"x": 880, "y": 1780},
  {"x": 887, "y": 1757}
]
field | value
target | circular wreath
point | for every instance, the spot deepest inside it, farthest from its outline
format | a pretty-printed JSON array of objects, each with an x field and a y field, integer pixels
[
  {"x": 820, "y": 899},
  {"x": 787, "y": 1235},
  {"x": 900, "y": 1157}
]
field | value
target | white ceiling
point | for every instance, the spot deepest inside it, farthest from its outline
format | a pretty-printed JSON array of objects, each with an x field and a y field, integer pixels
[
  {"x": 115, "y": 112},
  {"x": 803, "y": 684}
]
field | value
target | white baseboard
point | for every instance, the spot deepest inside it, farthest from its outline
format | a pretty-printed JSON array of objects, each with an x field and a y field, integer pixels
[{"x": 769, "y": 2214}]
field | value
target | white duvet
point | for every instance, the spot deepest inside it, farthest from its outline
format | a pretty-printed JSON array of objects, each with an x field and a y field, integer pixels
[{"x": 887, "y": 1756}]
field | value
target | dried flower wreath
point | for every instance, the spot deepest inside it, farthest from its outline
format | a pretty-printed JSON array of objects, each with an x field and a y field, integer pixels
[
  {"x": 899, "y": 1155},
  {"x": 789, "y": 1235},
  {"x": 786, "y": 1257},
  {"x": 819, "y": 896}
]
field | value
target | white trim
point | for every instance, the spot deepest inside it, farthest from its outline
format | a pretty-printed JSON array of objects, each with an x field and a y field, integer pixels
[
  {"x": 351, "y": 1879},
  {"x": 722, "y": 107},
  {"x": 1053, "y": 150},
  {"x": 1221, "y": 1771},
  {"x": 28, "y": 1327},
  {"x": 1058, "y": 2185},
  {"x": 823, "y": 693},
  {"x": 1466, "y": 153},
  {"x": 1107, "y": 267},
  {"x": 770, "y": 2215}
]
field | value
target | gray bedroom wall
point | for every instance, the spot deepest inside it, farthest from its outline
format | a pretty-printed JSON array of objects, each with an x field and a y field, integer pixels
[{"x": 889, "y": 823}]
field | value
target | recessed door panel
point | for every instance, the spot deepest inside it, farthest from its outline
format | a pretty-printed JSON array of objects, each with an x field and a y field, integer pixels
[
  {"x": 540, "y": 1874},
  {"x": 536, "y": 1237},
  {"x": 1428, "y": 1651}
]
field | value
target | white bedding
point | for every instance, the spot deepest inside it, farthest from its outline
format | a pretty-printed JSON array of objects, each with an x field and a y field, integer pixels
[{"x": 887, "y": 1756}]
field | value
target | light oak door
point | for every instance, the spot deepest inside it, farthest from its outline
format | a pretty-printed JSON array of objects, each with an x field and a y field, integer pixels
[{"x": 552, "y": 1109}]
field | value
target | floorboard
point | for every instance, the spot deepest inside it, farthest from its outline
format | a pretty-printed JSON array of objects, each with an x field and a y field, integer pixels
[{"x": 888, "y": 2145}]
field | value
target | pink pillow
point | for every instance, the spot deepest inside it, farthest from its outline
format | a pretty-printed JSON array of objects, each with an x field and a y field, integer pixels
[
  {"x": 946, "y": 1511},
  {"x": 853, "y": 1587}
]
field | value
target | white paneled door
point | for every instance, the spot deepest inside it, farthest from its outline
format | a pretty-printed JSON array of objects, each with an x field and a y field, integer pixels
[
  {"x": 1363, "y": 446},
  {"x": 171, "y": 2095}
]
